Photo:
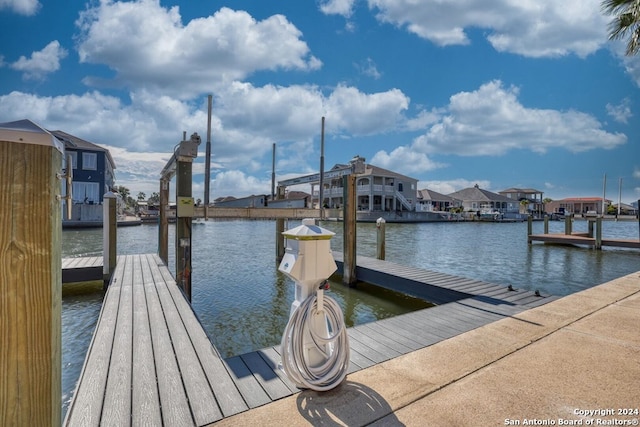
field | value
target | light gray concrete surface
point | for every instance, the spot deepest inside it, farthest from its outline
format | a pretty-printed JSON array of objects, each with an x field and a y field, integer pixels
[{"x": 573, "y": 361}]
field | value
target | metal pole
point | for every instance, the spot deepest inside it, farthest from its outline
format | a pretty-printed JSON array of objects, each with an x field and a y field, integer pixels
[
  {"x": 619, "y": 196},
  {"x": 207, "y": 165},
  {"x": 273, "y": 172},
  {"x": 604, "y": 192},
  {"x": 321, "y": 193}
]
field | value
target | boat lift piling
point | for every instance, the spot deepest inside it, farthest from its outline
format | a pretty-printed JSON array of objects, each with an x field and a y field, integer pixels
[{"x": 181, "y": 166}]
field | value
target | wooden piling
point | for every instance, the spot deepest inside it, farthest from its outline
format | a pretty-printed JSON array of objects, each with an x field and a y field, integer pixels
[
  {"x": 546, "y": 224},
  {"x": 279, "y": 229},
  {"x": 568, "y": 229},
  {"x": 30, "y": 280},
  {"x": 163, "y": 232},
  {"x": 109, "y": 236},
  {"x": 381, "y": 239},
  {"x": 184, "y": 214},
  {"x": 349, "y": 229},
  {"x": 529, "y": 228},
  {"x": 598, "y": 244}
]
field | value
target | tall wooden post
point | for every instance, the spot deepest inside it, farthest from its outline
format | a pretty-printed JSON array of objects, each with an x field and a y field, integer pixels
[
  {"x": 546, "y": 224},
  {"x": 598, "y": 233},
  {"x": 279, "y": 229},
  {"x": 529, "y": 228},
  {"x": 349, "y": 230},
  {"x": 380, "y": 238},
  {"x": 184, "y": 212},
  {"x": 109, "y": 236},
  {"x": 163, "y": 232},
  {"x": 567, "y": 225},
  {"x": 30, "y": 277}
]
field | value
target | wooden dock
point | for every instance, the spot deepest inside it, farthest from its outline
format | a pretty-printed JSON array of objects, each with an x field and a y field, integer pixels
[
  {"x": 583, "y": 239},
  {"x": 81, "y": 269},
  {"x": 150, "y": 361}
]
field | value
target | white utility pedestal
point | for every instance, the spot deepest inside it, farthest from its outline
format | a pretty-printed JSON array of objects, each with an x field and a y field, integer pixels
[{"x": 315, "y": 342}]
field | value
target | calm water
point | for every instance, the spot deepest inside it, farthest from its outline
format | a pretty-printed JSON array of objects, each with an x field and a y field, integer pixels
[{"x": 243, "y": 301}]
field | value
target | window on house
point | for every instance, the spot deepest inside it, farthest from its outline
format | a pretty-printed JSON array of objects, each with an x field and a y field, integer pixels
[
  {"x": 89, "y": 161},
  {"x": 86, "y": 192},
  {"x": 400, "y": 186}
]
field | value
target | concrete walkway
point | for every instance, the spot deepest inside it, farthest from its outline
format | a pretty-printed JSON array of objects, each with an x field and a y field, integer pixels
[{"x": 573, "y": 361}]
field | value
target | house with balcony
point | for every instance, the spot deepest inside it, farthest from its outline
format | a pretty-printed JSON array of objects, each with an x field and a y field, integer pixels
[
  {"x": 530, "y": 200},
  {"x": 93, "y": 176},
  {"x": 378, "y": 189}
]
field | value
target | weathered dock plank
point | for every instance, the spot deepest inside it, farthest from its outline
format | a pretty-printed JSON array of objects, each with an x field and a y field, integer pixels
[
  {"x": 81, "y": 269},
  {"x": 439, "y": 288}
]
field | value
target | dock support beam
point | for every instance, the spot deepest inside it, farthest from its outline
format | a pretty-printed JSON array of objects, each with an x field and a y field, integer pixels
[
  {"x": 109, "y": 236},
  {"x": 598, "y": 244},
  {"x": 349, "y": 230},
  {"x": 568, "y": 230},
  {"x": 184, "y": 214},
  {"x": 30, "y": 280},
  {"x": 279, "y": 229},
  {"x": 530, "y": 228},
  {"x": 163, "y": 232},
  {"x": 546, "y": 224}
]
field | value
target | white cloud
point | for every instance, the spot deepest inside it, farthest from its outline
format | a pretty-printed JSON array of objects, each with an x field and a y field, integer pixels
[
  {"x": 369, "y": 68},
  {"x": 41, "y": 62},
  {"x": 491, "y": 121},
  {"x": 236, "y": 183},
  {"x": 405, "y": 160},
  {"x": 621, "y": 112},
  {"x": 21, "y": 7},
  {"x": 636, "y": 173},
  {"x": 337, "y": 7},
  {"x": 529, "y": 28},
  {"x": 451, "y": 186},
  {"x": 349, "y": 110},
  {"x": 147, "y": 45}
]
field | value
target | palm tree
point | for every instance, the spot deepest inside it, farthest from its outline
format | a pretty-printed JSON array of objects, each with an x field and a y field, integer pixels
[{"x": 626, "y": 22}]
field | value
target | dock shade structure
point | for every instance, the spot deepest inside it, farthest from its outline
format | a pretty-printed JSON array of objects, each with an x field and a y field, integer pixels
[{"x": 30, "y": 275}]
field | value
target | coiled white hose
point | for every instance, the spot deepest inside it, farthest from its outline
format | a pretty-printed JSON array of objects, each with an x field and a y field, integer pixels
[{"x": 333, "y": 370}]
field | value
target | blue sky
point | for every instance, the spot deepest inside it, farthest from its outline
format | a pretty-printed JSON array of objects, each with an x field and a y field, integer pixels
[{"x": 494, "y": 92}]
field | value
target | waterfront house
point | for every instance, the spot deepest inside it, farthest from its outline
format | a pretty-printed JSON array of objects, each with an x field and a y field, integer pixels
[
  {"x": 577, "y": 205},
  {"x": 93, "y": 168},
  {"x": 475, "y": 199},
  {"x": 432, "y": 201},
  {"x": 292, "y": 199},
  {"x": 530, "y": 200},
  {"x": 378, "y": 189},
  {"x": 253, "y": 201}
]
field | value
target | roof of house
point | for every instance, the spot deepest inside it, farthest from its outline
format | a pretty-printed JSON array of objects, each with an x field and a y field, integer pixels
[
  {"x": 73, "y": 142},
  {"x": 581, "y": 200},
  {"x": 477, "y": 194},
  {"x": 296, "y": 195},
  {"x": 520, "y": 190},
  {"x": 427, "y": 194},
  {"x": 378, "y": 171}
]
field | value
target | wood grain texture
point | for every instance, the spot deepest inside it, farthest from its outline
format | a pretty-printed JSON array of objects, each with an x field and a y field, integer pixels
[{"x": 30, "y": 281}]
